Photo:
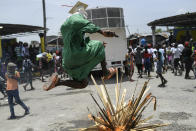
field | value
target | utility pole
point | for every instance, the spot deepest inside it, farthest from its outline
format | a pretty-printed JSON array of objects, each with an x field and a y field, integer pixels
[
  {"x": 44, "y": 20},
  {"x": 128, "y": 29}
]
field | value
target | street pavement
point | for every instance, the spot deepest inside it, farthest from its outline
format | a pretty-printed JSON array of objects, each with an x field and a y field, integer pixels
[{"x": 65, "y": 109}]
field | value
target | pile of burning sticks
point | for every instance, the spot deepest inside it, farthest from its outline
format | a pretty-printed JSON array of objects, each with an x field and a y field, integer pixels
[{"x": 124, "y": 116}]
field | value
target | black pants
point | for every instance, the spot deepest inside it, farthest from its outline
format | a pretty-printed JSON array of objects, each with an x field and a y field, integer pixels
[
  {"x": 176, "y": 63},
  {"x": 28, "y": 77},
  {"x": 188, "y": 68},
  {"x": 2, "y": 90},
  {"x": 139, "y": 68}
]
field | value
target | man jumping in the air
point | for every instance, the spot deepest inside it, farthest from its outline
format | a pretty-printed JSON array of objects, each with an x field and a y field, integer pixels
[{"x": 80, "y": 54}]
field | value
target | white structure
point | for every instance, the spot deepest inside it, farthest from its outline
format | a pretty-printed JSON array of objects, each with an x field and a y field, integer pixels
[{"x": 110, "y": 18}]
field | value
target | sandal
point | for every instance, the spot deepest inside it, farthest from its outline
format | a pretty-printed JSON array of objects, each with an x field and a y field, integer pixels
[
  {"x": 112, "y": 71},
  {"x": 52, "y": 82}
]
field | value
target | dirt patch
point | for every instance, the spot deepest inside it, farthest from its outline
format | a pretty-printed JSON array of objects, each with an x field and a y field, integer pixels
[
  {"x": 176, "y": 127},
  {"x": 188, "y": 90},
  {"x": 174, "y": 116},
  {"x": 29, "y": 129}
]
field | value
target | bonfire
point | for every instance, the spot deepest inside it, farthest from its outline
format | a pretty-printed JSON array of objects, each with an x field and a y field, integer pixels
[{"x": 124, "y": 116}]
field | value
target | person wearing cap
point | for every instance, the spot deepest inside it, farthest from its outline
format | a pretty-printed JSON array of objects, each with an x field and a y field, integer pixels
[
  {"x": 80, "y": 54},
  {"x": 143, "y": 42},
  {"x": 186, "y": 53},
  {"x": 12, "y": 77}
]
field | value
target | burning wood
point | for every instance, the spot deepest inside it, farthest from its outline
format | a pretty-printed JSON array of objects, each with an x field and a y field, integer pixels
[{"x": 122, "y": 117}]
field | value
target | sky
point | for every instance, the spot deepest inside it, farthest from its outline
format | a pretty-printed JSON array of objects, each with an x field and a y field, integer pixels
[{"x": 137, "y": 13}]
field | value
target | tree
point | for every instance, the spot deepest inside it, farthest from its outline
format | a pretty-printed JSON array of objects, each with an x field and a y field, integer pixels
[{"x": 159, "y": 30}]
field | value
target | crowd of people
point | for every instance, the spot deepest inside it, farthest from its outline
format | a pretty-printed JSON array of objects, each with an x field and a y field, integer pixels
[
  {"x": 30, "y": 61},
  {"x": 178, "y": 56},
  {"x": 21, "y": 67},
  {"x": 174, "y": 56}
]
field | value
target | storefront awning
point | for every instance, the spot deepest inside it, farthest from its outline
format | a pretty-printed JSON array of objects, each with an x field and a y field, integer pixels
[
  {"x": 7, "y": 30},
  {"x": 183, "y": 20}
]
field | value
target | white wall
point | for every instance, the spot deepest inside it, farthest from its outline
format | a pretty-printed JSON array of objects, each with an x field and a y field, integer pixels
[{"x": 116, "y": 47}]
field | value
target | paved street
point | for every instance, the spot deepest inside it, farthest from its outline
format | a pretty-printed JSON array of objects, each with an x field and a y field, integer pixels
[{"x": 65, "y": 109}]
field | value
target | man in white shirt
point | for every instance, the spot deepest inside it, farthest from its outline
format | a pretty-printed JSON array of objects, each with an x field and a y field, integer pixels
[
  {"x": 181, "y": 48},
  {"x": 176, "y": 53},
  {"x": 172, "y": 59}
]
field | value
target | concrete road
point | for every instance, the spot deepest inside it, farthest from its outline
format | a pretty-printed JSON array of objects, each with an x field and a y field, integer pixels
[{"x": 65, "y": 109}]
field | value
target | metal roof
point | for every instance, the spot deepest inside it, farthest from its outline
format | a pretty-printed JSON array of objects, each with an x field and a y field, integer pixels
[
  {"x": 183, "y": 20},
  {"x": 11, "y": 29},
  {"x": 54, "y": 41}
]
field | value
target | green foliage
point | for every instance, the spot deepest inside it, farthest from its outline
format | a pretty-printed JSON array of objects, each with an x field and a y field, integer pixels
[{"x": 159, "y": 30}]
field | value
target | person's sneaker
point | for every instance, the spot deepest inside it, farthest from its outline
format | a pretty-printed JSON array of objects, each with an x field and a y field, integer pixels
[
  {"x": 32, "y": 88},
  {"x": 26, "y": 113},
  {"x": 131, "y": 80},
  {"x": 165, "y": 82},
  {"x": 11, "y": 118},
  {"x": 161, "y": 85},
  {"x": 188, "y": 77}
]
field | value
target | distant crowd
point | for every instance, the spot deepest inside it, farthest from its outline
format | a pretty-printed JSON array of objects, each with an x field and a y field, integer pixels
[
  {"x": 30, "y": 62},
  {"x": 175, "y": 55}
]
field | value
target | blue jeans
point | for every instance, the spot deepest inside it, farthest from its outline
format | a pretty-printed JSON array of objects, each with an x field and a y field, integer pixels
[
  {"x": 15, "y": 94},
  {"x": 147, "y": 65}
]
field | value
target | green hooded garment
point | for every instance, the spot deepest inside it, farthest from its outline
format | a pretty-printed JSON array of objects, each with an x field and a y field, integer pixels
[{"x": 80, "y": 54}]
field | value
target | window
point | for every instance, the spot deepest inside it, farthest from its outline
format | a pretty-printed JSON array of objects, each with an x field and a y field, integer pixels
[
  {"x": 99, "y": 13},
  {"x": 100, "y": 22},
  {"x": 113, "y": 12}
]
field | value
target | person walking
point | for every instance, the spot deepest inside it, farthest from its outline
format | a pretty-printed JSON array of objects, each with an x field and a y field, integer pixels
[
  {"x": 194, "y": 64},
  {"x": 27, "y": 68},
  {"x": 186, "y": 53},
  {"x": 176, "y": 54},
  {"x": 12, "y": 77},
  {"x": 160, "y": 66},
  {"x": 19, "y": 55},
  {"x": 147, "y": 63},
  {"x": 2, "y": 87},
  {"x": 138, "y": 61},
  {"x": 130, "y": 63}
]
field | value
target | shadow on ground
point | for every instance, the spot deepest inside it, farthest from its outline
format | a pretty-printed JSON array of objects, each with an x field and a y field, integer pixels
[
  {"x": 71, "y": 125},
  {"x": 78, "y": 91}
]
